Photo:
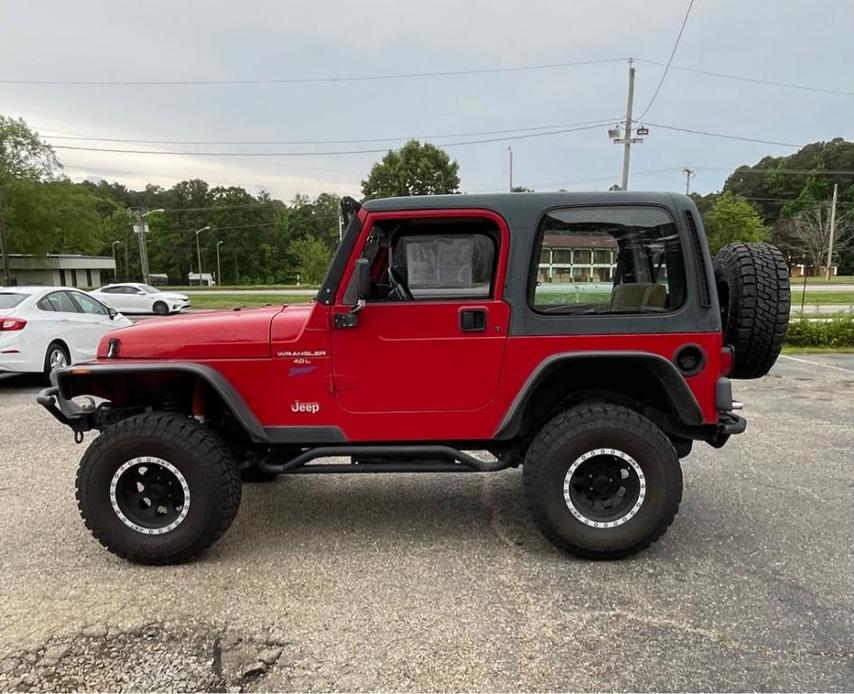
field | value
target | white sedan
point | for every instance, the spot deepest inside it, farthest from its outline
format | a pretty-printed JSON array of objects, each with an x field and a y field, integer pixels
[
  {"x": 47, "y": 328},
  {"x": 130, "y": 297}
]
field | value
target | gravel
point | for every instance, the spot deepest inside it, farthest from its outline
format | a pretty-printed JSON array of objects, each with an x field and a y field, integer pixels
[{"x": 431, "y": 582}]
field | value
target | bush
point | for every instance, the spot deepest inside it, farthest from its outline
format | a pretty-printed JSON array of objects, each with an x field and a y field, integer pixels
[{"x": 835, "y": 332}]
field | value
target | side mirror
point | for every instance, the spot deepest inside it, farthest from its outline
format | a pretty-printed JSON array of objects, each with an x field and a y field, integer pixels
[
  {"x": 357, "y": 292},
  {"x": 360, "y": 283},
  {"x": 112, "y": 313}
]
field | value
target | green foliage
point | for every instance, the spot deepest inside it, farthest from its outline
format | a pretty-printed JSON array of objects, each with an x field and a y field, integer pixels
[
  {"x": 52, "y": 217},
  {"x": 835, "y": 332},
  {"x": 312, "y": 259},
  {"x": 415, "y": 169},
  {"x": 732, "y": 218},
  {"x": 23, "y": 154}
]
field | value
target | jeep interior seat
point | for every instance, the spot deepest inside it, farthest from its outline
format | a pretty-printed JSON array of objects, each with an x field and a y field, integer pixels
[{"x": 639, "y": 296}]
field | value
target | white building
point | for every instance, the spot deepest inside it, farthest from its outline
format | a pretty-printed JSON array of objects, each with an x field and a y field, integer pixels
[{"x": 82, "y": 271}]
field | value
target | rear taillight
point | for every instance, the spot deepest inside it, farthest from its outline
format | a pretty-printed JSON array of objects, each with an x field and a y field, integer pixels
[
  {"x": 10, "y": 324},
  {"x": 726, "y": 361}
]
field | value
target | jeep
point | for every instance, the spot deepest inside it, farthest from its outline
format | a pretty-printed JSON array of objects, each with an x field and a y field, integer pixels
[{"x": 590, "y": 338}]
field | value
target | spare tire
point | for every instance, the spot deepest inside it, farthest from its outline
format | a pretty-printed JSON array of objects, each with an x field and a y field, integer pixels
[{"x": 754, "y": 294}]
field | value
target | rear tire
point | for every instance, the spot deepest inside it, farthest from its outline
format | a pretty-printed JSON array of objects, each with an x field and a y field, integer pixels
[
  {"x": 755, "y": 297},
  {"x": 158, "y": 488},
  {"x": 160, "y": 308},
  {"x": 602, "y": 481},
  {"x": 55, "y": 358}
]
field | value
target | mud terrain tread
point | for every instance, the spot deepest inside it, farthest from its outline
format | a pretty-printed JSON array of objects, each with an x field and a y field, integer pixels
[
  {"x": 759, "y": 303},
  {"x": 574, "y": 422},
  {"x": 210, "y": 452}
]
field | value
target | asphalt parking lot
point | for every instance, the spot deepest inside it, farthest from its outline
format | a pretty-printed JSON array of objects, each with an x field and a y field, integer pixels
[{"x": 442, "y": 583}]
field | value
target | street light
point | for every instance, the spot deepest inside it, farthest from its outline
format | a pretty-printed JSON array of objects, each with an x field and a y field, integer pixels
[
  {"x": 218, "y": 274},
  {"x": 199, "y": 251}
]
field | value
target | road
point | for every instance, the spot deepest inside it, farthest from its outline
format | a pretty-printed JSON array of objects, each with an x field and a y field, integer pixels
[{"x": 442, "y": 583}]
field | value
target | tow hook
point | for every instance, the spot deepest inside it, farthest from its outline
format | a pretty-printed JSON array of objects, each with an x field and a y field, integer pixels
[{"x": 78, "y": 437}]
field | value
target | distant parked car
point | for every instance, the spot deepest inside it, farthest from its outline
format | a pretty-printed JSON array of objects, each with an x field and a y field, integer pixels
[
  {"x": 130, "y": 297},
  {"x": 46, "y": 328}
]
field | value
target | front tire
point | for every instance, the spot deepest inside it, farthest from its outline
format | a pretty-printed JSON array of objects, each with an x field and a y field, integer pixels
[
  {"x": 160, "y": 308},
  {"x": 602, "y": 481},
  {"x": 158, "y": 488}
]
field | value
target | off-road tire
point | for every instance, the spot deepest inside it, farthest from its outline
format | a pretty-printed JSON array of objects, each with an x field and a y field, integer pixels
[
  {"x": 201, "y": 457},
  {"x": 588, "y": 427},
  {"x": 51, "y": 348},
  {"x": 755, "y": 298},
  {"x": 160, "y": 308}
]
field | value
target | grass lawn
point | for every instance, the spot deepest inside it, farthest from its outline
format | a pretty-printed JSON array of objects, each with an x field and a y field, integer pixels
[
  {"x": 822, "y": 298},
  {"x": 237, "y": 287},
  {"x": 201, "y": 300},
  {"x": 841, "y": 279},
  {"x": 790, "y": 349}
]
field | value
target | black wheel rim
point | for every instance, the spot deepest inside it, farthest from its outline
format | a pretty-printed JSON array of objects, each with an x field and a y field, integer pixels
[
  {"x": 150, "y": 495},
  {"x": 604, "y": 488}
]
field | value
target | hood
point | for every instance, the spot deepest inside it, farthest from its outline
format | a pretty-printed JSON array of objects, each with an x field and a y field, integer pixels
[
  {"x": 171, "y": 296},
  {"x": 243, "y": 334}
]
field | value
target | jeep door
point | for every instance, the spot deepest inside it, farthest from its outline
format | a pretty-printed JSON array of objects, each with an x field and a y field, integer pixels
[{"x": 432, "y": 333}]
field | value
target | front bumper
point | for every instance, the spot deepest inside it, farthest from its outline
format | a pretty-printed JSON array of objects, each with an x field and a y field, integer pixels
[{"x": 66, "y": 412}]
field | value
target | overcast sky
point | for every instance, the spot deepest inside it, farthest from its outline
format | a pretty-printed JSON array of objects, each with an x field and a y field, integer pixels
[{"x": 806, "y": 42}]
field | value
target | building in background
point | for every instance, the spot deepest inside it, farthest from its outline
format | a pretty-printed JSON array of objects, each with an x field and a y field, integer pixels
[
  {"x": 577, "y": 258},
  {"x": 81, "y": 271}
]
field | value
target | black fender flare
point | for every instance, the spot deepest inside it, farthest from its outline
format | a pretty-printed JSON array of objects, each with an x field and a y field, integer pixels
[
  {"x": 665, "y": 371},
  {"x": 63, "y": 379}
]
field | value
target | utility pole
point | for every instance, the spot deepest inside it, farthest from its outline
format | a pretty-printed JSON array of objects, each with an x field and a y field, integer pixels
[
  {"x": 510, "y": 152},
  {"x": 627, "y": 140},
  {"x": 832, "y": 230},
  {"x": 218, "y": 272},
  {"x": 115, "y": 262},
  {"x": 7, "y": 273},
  {"x": 689, "y": 173},
  {"x": 127, "y": 262},
  {"x": 139, "y": 228}
]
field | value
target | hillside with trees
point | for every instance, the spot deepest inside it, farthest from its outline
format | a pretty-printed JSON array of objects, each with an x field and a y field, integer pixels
[
  {"x": 266, "y": 241},
  {"x": 792, "y": 197}
]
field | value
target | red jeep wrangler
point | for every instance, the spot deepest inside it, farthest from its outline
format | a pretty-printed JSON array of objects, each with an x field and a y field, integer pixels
[{"x": 587, "y": 337}]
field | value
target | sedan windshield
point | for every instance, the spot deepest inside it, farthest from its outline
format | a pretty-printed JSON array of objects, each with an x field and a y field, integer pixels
[
  {"x": 9, "y": 300},
  {"x": 149, "y": 289}
]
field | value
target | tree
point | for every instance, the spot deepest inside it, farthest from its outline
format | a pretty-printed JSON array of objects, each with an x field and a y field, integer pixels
[
  {"x": 312, "y": 259},
  {"x": 732, "y": 218},
  {"x": 23, "y": 154},
  {"x": 52, "y": 217},
  {"x": 415, "y": 169},
  {"x": 807, "y": 235}
]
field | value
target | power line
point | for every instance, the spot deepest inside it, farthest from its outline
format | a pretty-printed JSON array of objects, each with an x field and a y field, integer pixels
[
  {"x": 724, "y": 135},
  {"x": 669, "y": 61},
  {"x": 328, "y": 152},
  {"x": 308, "y": 80},
  {"x": 752, "y": 80},
  {"x": 596, "y": 122}
]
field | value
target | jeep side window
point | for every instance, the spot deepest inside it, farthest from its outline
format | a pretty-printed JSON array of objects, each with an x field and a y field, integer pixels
[
  {"x": 608, "y": 260},
  {"x": 432, "y": 260}
]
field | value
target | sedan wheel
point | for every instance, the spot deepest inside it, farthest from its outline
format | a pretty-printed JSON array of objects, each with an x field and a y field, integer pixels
[{"x": 56, "y": 358}]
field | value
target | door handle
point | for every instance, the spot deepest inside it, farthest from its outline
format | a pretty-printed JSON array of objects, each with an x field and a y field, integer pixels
[{"x": 473, "y": 320}]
